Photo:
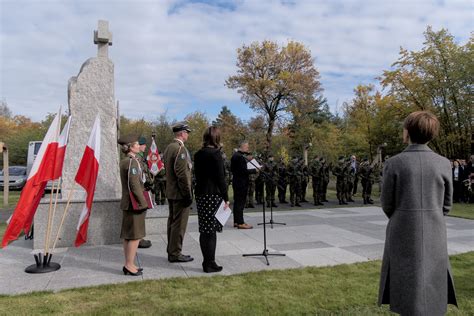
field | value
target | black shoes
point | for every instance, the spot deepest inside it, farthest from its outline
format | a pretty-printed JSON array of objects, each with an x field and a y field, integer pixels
[
  {"x": 144, "y": 243},
  {"x": 180, "y": 258},
  {"x": 138, "y": 273},
  {"x": 211, "y": 267}
]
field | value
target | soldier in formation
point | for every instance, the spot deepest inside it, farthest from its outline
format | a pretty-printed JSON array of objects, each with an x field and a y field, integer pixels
[
  {"x": 340, "y": 171},
  {"x": 160, "y": 187},
  {"x": 282, "y": 181},
  {"x": 295, "y": 176},
  {"x": 304, "y": 180},
  {"x": 316, "y": 171},
  {"x": 271, "y": 180},
  {"x": 251, "y": 191},
  {"x": 366, "y": 179}
]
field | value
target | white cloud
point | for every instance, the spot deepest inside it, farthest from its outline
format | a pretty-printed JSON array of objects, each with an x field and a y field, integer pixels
[{"x": 176, "y": 55}]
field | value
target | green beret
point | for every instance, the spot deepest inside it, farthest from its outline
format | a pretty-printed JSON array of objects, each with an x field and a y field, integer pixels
[
  {"x": 142, "y": 140},
  {"x": 128, "y": 139}
]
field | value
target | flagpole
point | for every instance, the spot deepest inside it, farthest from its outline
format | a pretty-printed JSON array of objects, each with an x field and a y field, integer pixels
[
  {"x": 54, "y": 210},
  {"x": 66, "y": 209},
  {"x": 50, "y": 211}
]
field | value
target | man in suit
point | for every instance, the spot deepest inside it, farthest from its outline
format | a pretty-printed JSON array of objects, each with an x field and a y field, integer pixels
[
  {"x": 240, "y": 183},
  {"x": 178, "y": 167}
]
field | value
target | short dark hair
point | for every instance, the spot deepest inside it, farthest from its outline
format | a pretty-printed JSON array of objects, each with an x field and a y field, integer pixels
[
  {"x": 211, "y": 137},
  {"x": 422, "y": 126}
]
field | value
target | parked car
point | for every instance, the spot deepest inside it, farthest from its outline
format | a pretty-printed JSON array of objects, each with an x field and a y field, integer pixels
[{"x": 17, "y": 177}]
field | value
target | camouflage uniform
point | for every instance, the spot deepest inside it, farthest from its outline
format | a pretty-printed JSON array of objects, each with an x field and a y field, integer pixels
[
  {"x": 251, "y": 190},
  {"x": 340, "y": 172},
  {"x": 282, "y": 182},
  {"x": 325, "y": 179},
  {"x": 366, "y": 179},
  {"x": 350, "y": 181},
  {"x": 304, "y": 181},
  {"x": 159, "y": 187},
  {"x": 294, "y": 175},
  {"x": 315, "y": 169},
  {"x": 259, "y": 186},
  {"x": 271, "y": 181}
]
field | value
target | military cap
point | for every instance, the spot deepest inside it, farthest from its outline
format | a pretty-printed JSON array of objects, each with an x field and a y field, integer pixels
[
  {"x": 181, "y": 126},
  {"x": 128, "y": 139},
  {"x": 142, "y": 140}
]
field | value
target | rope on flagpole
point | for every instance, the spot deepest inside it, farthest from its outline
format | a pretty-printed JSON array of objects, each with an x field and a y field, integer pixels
[{"x": 66, "y": 209}]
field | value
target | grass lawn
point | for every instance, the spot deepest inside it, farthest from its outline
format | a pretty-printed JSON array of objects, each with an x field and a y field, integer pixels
[
  {"x": 340, "y": 290},
  {"x": 462, "y": 210},
  {"x": 13, "y": 197}
]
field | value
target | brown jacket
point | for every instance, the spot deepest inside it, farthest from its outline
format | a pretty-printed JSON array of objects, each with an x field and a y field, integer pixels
[
  {"x": 178, "y": 171},
  {"x": 130, "y": 172}
]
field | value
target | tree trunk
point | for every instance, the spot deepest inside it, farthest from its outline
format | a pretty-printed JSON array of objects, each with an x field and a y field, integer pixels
[{"x": 271, "y": 124}]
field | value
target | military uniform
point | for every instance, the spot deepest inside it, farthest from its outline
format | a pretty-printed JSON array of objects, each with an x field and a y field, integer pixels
[
  {"x": 271, "y": 180},
  {"x": 304, "y": 181},
  {"x": 366, "y": 179},
  {"x": 315, "y": 169},
  {"x": 282, "y": 182},
  {"x": 325, "y": 169},
  {"x": 160, "y": 187},
  {"x": 340, "y": 172},
  {"x": 178, "y": 167},
  {"x": 259, "y": 187},
  {"x": 251, "y": 190},
  {"x": 350, "y": 181},
  {"x": 295, "y": 175}
]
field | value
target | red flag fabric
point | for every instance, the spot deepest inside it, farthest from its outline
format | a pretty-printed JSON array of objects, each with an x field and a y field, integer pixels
[
  {"x": 155, "y": 164},
  {"x": 41, "y": 172},
  {"x": 61, "y": 152},
  {"x": 87, "y": 178}
]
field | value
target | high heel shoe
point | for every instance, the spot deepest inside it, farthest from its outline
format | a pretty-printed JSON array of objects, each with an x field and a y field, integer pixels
[
  {"x": 126, "y": 271},
  {"x": 211, "y": 267}
]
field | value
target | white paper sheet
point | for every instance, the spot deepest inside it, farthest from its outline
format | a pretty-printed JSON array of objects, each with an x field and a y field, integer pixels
[
  {"x": 253, "y": 164},
  {"x": 223, "y": 213}
]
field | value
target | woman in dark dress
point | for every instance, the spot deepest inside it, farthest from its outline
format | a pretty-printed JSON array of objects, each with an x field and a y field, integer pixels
[
  {"x": 133, "y": 221},
  {"x": 211, "y": 190}
]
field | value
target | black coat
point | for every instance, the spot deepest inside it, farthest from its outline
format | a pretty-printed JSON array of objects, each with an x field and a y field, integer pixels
[
  {"x": 240, "y": 173},
  {"x": 210, "y": 173}
]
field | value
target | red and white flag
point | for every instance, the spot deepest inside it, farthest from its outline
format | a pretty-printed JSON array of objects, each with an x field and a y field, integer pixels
[
  {"x": 61, "y": 152},
  {"x": 155, "y": 164},
  {"x": 41, "y": 172},
  {"x": 87, "y": 177}
]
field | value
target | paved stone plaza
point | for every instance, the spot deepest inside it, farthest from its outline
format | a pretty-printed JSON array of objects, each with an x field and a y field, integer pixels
[{"x": 311, "y": 238}]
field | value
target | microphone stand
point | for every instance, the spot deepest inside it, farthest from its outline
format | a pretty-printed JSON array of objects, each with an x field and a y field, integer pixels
[
  {"x": 265, "y": 252},
  {"x": 271, "y": 222}
]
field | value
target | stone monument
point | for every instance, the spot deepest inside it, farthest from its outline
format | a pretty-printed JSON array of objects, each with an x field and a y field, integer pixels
[{"x": 91, "y": 92}]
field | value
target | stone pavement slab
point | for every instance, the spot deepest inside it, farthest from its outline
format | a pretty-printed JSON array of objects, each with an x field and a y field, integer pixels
[{"x": 317, "y": 237}]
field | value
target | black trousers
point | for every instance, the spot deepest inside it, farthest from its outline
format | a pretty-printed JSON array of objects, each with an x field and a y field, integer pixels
[
  {"x": 240, "y": 198},
  {"x": 208, "y": 242}
]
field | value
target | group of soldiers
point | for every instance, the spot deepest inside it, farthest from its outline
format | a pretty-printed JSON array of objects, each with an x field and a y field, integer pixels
[{"x": 276, "y": 177}]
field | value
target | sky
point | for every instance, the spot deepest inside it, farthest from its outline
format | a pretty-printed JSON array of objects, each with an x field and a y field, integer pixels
[{"x": 173, "y": 56}]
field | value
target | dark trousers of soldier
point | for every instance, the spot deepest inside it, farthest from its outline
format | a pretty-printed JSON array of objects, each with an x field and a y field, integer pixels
[
  {"x": 304, "y": 186},
  {"x": 340, "y": 186},
  {"x": 316, "y": 190},
  {"x": 349, "y": 187},
  {"x": 295, "y": 188},
  {"x": 177, "y": 223},
  {"x": 250, "y": 194},
  {"x": 270, "y": 189},
  {"x": 366, "y": 190},
  {"x": 160, "y": 189},
  {"x": 259, "y": 191},
  {"x": 324, "y": 190},
  {"x": 282, "y": 192},
  {"x": 354, "y": 189},
  {"x": 240, "y": 197}
]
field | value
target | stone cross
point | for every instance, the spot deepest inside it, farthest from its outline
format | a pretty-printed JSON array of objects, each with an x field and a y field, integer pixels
[{"x": 103, "y": 37}]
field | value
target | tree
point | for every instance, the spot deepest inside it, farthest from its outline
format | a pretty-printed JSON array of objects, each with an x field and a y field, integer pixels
[
  {"x": 198, "y": 122},
  {"x": 233, "y": 130},
  {"x": 438, "y": 78},
  {"x": 5, "y": 110},
  {"x": 271, "y": 80}
]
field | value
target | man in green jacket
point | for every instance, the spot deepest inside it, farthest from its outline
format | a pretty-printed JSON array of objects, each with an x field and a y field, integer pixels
[{"x": 178, "y": 167}]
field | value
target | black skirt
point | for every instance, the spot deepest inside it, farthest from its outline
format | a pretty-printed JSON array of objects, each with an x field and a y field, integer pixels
[{"x": 207, "y": 206}]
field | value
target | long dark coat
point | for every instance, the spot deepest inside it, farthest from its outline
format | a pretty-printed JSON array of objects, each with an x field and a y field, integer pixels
[{"x": 416, "y": 278}]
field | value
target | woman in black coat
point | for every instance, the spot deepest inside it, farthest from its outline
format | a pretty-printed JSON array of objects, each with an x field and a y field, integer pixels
[{"x": 211, "y": 190}]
